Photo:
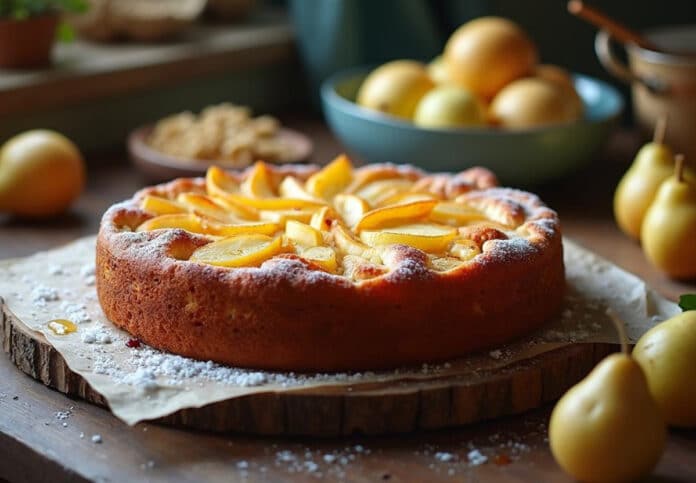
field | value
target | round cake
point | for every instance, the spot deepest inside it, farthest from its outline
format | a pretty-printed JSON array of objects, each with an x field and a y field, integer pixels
[{"x": 297, "y": 268}]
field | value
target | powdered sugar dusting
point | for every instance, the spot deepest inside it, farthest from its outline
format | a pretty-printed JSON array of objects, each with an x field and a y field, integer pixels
[
  {"x": 74, "y": 312},
  {"x": 43, "y": 294},
  {"x": 96, "y": 335}
]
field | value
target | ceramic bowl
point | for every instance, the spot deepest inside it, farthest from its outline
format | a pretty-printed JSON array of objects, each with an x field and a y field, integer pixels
[{"x": 518, "y": 157}]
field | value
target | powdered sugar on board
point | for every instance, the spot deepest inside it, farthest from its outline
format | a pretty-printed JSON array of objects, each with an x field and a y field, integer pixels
[{"x": 141, "y": 383}]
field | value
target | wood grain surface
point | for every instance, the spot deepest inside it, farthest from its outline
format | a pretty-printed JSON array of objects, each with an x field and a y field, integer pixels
[{"x": 35, "y": 446}]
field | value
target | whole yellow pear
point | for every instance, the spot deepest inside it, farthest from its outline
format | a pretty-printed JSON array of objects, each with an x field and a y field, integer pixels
[
  {"x": 395, "y": 88},
  {"x": 449, "y": 106},
  {"x": 487, "y": 53},
  {"x": 608, "y": 427},
  {"x": 555, "y": 74},
  {"x": 437, "y": 70},
  {"x": 41, "y": 174},
  {"x": 653, "y": 164},
  {"x": 533, "y": 102},
  {"x": 667, "y": 354},
  {"x": 563, "y": 79},
  {"x": 668, "y": 232}
]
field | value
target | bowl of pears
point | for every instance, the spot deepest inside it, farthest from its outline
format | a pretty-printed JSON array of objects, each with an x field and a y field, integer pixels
[{"x": 486, "y": 100}]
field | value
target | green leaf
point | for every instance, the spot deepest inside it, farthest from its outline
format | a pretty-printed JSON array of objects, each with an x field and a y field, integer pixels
[
  {"x": 65, "y": 32},
  {"x": 687, "y": 302},
  {"x": 23, "y": 9}
]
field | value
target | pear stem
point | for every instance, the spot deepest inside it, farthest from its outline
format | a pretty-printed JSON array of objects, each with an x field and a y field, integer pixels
[
  {"x": 660, "y": 128},
  {"x": 679, "y": 167},
  {"x": 621, "y": 329}
]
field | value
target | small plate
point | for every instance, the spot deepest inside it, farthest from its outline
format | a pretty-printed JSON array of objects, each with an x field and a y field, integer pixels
[{"x": 159, "y": 166}]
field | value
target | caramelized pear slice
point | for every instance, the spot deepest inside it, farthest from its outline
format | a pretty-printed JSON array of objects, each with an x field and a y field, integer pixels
[
  {"x": 206, "y": 206},
  {"x": 291, "y": 188},
  {"x": 377, "y": 191},
  {"x": 283, "y": 216},
  {"x": 393, "y": 214},
  {"x": 452, "y": 213},
  {"x": 323, "y": 218},
  {"x": 258, "y": 182},
  {"x": 346, "y": 242},
  {"x": 185, "y": 221},
  {"x": 406, "y": 197},
  {"x": 239, "y": 251},
  {"x": 252, "y": 227},
  {"x": 325, "y": 257},
  {"x": 158, "y": 205},
  {"x": 331, "y": 179},
  {"x": 429, "y": 237},
  {"x": 351, "y": 208},
  {"x": 303, "y": 234},
  {"x": 219, "y": 183}
]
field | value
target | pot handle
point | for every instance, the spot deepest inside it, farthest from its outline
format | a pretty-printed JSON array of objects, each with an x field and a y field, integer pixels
[{"x": 613, "y": 65}]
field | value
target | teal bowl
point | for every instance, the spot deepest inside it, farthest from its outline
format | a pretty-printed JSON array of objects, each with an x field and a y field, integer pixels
[{"x": 518, "y": 157}]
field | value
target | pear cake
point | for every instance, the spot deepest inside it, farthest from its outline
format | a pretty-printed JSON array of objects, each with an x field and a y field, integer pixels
[{"x": 298, "y": 268}]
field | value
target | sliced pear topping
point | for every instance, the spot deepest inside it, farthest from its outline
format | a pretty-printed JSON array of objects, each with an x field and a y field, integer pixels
[
  {"x": 206, "y": 206},
  {"x": 237, "y": 208},
  {"x": 274, "y": 203},
  {"x": 377, "y": 191},
  {"x": 291, "y": 188},
  {"x": 258, "y": 182},
  {"x": 351, "y": 208},
  {"x": 428, "y": 237},
  {"x": 258, "y": 227},
  {"x": 303, "y": 234},
  {"x": 282, "y": 216},
  {"x": 452, "y": 213},
  {"x": 325, "y": 257},
  {"x": 332, "y": 179},
  {"x": 464, "y": 249},
  {"x": 157, "y": 205},
  {"x": 340, "y": 220},
  {"x": 185, "y": 221},
  {"x": 393, "y": 214},
  {"x": 365, "y": 176},
  {"x": 239, "y": 251},
  {"x": 219, "y": 183},
  {"x": 406, "y": 197},
  {"x": 322, "y": 219},
  {"x": 346, "y": 242}
]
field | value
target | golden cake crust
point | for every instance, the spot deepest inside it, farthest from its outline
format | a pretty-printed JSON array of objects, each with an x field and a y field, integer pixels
[{"x": 289, "y": 315}]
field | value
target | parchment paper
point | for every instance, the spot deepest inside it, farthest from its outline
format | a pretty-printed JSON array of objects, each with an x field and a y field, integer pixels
[{"x": 141, "y": 383}]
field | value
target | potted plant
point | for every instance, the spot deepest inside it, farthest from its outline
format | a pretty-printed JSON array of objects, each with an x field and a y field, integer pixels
[{"x": 28, "y": 30}]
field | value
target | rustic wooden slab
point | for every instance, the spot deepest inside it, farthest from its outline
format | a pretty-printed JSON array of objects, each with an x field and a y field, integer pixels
[{"x": 332, "y": 411}]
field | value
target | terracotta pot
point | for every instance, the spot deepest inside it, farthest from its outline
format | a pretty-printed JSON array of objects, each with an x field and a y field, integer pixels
[
  {"x": 27, "y": 43},
  {"x": 661, "y": 83}
]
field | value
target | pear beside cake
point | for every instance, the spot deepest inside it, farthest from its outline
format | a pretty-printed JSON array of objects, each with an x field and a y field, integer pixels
[{"x": 304, "y": 269}]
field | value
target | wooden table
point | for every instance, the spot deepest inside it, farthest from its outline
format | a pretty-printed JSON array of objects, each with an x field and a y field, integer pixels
[{"x": 36, "y": 445}]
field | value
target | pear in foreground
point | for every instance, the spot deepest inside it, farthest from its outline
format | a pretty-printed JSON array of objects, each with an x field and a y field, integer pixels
[
  {"x": 668, "y": 233},
  {"x": 608, "y": 427},
  {"x": 653, "y": 164},
  {"x": 667, "y": 354}
]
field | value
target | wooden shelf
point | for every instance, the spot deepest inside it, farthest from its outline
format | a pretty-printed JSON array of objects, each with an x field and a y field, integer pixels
[{"x": 84, "y": 71}]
